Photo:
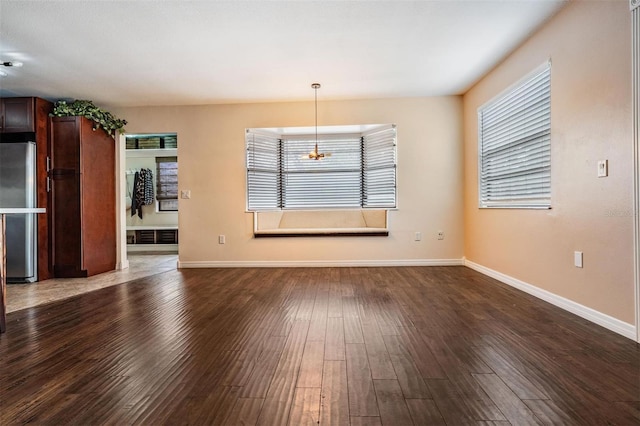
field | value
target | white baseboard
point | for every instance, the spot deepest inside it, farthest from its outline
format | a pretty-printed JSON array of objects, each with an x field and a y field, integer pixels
[
  {"x": 319, "y": 263},
  {"x": 604, "y": 320},
  {"x": 122, "y": 265}
]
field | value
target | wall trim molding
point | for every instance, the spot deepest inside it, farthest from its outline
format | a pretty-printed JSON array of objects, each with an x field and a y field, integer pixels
[
  {"x": 635, "y": 118},
  {"x": 604, "y": 320},
  {"x": 122, "y": 265},
  {"x": 318, "y": 263}
]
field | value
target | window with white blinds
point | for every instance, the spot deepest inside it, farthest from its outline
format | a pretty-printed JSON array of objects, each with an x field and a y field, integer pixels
[
  {"x": 332, "y": 182},
  {"x": 515, "y": 145},
  {"x": 379, "y": 169},
  {"x": 263, "y": 171},
  {"x": 359, "y": 173}
]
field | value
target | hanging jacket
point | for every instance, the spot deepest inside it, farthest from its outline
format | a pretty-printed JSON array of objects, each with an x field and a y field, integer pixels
[
  {"x": 147, "y": 177},
  {"x": 137, "y": 197}
]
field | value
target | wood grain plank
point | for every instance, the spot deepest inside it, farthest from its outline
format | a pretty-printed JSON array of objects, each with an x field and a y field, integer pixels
[
  {"x": 629, "y": 410},
  {"x": 334, "y": 309},
  {"x": 508, "y": 402},
  {"x": 334, "y": 345},
  {"x": 425, "y": 412},
  {"x": 310, "y": 375},
  {"x": 365, "y": 421},
  {"x": 379, "y": 359},
  {"x": 508, "y": 372},
  {"x": 318, "y": 326},
  {"x": 265, "y": 366},
  {"x": 421, "y": 354},
  {"x": 551, "y": 413},
  {"x": 362, "y": 397},
  {"x": 334, "y": 409},
  {"x": 350, "y": 307},
  {"x": 245, "y": 412},
  {"x": 467, "y": 388},
  {"x": 277, "y": 404},
  {"x": 451, "y": 405},
  {"x": 352, "y": 329},
  {"x": 306, "y": 407},
  {"x": 409, "y": 377},
  {"x": 393, "y": 408}
]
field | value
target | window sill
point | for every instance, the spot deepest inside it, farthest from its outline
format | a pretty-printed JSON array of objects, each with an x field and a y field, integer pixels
[
  {"x": 514, "y": 207},
  {"x": 320, "y": 223}
]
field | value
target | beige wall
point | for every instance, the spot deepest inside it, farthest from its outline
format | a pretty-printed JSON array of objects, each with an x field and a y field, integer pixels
[
  {"x": 589, "y": 45},
  {"x": 212, "y": 165}
]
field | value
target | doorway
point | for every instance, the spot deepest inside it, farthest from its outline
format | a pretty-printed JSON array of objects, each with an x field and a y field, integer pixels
[{"x": 147, "y": 199}]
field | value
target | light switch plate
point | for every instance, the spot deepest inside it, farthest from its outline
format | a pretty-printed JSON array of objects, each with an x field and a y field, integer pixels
[
  {"x": 603, "y": 168},
  {"x": 577, "y": 259},
  {"x": 185, "y": 194}
]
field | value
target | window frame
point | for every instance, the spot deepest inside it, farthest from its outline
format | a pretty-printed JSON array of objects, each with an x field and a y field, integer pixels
[
  {"x": 159, "y": 200},
  {"x": 513, "y": 203},
  {"x": 330, "y": 133}
]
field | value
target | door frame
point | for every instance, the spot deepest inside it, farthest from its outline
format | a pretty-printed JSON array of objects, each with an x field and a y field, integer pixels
[
  {"x": 122, "y": 261},
  {"x": 634, "y": 7}
]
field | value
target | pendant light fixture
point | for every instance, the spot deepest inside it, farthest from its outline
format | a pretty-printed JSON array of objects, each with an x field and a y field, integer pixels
[{"x": 315, "y": 155}]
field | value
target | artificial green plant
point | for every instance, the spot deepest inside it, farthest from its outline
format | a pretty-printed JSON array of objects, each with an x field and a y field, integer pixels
[{"x": 102, "y": 119}]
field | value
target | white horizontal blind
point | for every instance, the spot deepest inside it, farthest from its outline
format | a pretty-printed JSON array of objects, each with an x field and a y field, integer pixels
[
  {"x": 358, "y": 172},
  {"x": 263, "y": 171},
  {"x": 515, "y": 145},
  {"x": 332, "y": 182},
  {"x": 379, "y": 169}
]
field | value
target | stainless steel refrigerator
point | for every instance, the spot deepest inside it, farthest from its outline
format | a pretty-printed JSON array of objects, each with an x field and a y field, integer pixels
[{"x": 18, "y": 189}]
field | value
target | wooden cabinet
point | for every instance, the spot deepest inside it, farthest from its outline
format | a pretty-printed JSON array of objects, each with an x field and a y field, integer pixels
[
  {"x": 83, "y": 213},
  {"x": 17, "y": 115}
]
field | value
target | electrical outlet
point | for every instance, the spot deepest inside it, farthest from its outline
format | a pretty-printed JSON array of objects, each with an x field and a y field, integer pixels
[
  {"x": 441, "y": 235},
  {"x": 221, "y": 239},
  {"x": 185, "y": 194},
  {"x": 418, "y": 236}
]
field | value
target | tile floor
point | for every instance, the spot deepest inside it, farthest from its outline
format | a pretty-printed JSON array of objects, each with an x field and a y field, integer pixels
[{"x": 22, "y": 296}]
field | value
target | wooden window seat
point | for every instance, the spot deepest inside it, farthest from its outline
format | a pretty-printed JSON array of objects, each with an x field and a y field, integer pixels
[{"x": 316, "y": 223}]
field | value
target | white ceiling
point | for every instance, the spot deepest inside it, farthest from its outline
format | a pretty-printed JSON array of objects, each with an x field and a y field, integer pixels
[{"x": 126, "y": 53}]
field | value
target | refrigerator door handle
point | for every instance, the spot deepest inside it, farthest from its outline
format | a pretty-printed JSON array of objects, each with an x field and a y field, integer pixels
[
  {"x": 48, "y": 184},
  {"x": 48, "y": 163}
]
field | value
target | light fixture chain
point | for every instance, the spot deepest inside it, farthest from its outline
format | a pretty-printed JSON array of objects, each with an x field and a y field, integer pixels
[{"x": 315, "y": 89}]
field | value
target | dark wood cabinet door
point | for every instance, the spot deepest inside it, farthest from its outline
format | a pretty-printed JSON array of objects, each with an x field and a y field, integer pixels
[
  {"x": 66, "y": 239},
  {"x": 17, "y": 115},
  {"x": 67, "y": 234},
  {"x": 65, "y": 144},
  {"x": 83, "y": 231}
]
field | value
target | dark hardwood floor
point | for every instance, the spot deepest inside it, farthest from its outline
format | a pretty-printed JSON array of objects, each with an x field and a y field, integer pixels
[{"x": 359, "y": 346}]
